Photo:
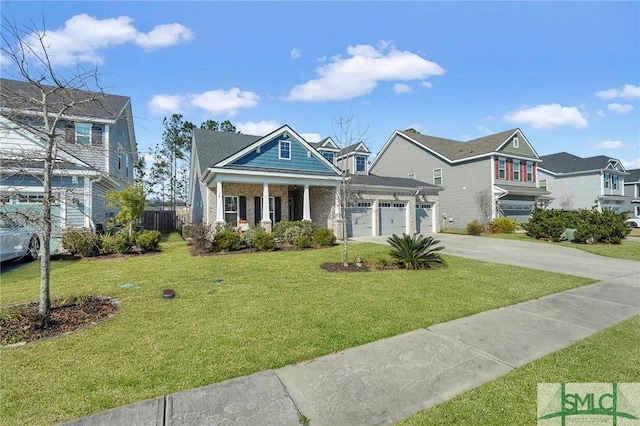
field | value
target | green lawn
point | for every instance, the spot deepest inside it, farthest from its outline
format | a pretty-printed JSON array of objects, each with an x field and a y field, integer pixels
[
  {"x": 612, "y": 355},
  {"x": 273, "y": 309}
]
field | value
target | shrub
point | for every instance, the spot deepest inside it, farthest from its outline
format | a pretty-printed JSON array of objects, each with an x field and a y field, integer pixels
[
  {"x": 502, "y": 225},
  {"x": 186, "y": 231},
  {"x": 81, "y": 241},
  {"x": 200, "y": 239},
  {"x": 226, "y": 241},
  {"x": 248, "y": 236},
  {"x": 416, "y": 251},
  {"x": 323, "y": 237},
  {"x": 379, "y": 263},
  {"x": 109, "y": 243},
  {"x": 474, "y": 228},
  {"x": 148, "y": 240},
  {"x": 264, "y": 241},
  {"x": 123, "y": 242},
  {"x": 303, "y": 242},
  {"x": 601, "y": 227},
  {"x": 289, "y": 231},
  {"x": 549, "y": 224}
]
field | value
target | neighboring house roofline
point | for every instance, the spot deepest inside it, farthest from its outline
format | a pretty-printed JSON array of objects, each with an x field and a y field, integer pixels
[
  {"x": 63, "y": 117},
  {"x": 566, "y": 164},
  {"x": 581, "y": 172}
]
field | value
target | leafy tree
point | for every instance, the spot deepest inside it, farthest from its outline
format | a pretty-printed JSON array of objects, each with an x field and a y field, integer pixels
[
  {"x": 50, "y": 98},
  {"x": 131, "y": 202}
]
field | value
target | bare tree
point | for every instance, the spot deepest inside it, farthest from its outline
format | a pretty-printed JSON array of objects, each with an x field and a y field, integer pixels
[
  {"x": 345, "y": 137},
  {"x": 40, "y": 107},
  {"x": 565, "y": 201},
  {"x": 484, "y": 202}
]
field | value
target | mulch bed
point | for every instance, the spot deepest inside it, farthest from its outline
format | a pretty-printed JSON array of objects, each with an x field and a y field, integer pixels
[
  {"x": 20, "y": 323},
  {"x": 339, "y": 267}
]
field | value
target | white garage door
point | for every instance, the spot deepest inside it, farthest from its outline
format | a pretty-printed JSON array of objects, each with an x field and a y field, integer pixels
[
  {"x": 393, "y": 217},
  {"x": 360, "y": 220},
  {"x": 424, "y": 220}
]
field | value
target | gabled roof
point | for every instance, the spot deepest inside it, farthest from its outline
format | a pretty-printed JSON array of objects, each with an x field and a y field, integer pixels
[
  {"x": 326, "y": 144},
  {"x": 563, "y": 162},
  {"x": 13, "y": 94},
  {"x": 454, "y": 151},
  {"x": 358, "y": 147},
  {"x": 213, "y": 147}
]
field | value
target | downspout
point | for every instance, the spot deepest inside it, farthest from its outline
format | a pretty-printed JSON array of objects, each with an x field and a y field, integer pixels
[{"x": 90, "y": 215}]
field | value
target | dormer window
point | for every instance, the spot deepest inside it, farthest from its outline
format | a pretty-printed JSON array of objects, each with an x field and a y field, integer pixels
[
  {"x": 361, "y": 164},
  {"x": 83, "y": 133},
  {"x": 330, "y": 156},
  {"x": 285, "y": 150}
]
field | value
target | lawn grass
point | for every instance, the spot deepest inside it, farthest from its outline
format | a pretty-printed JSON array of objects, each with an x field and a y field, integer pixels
[
  {"x": 272, "y": 309},
  {"x": 611, "y": 355}
]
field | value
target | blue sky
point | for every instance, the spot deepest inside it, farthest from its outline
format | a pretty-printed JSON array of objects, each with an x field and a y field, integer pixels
[{"x": 566, "y": 73}]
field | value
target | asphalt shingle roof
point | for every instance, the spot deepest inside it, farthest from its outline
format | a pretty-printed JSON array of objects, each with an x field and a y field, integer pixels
[
  {"x": 563, "y": 162},
  {"x": 212, "y": 146},
  {"x": 457, "y": 150},
  {"x": 394, "y": 182},
  {"x": 634, "y": 176},
  {"x": 14, "y": 94}
]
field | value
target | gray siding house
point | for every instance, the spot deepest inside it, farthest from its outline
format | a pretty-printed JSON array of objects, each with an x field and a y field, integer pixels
[
  {"x": 95, "y": 152},
  {"x": 583, "y": 183},
  {"x": 503, "y": 165},
  {"x": 632, "y": 193},
  {"x": 232, "y": 175}
]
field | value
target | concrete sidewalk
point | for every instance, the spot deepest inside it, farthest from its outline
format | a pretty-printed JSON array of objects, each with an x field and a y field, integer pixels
[{"x": 389, "y": 380}]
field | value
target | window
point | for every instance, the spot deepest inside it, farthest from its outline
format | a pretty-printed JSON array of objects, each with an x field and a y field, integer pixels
[
  {"x": 384, "y": 205},
  {"x": 411, "y": 176},
  {"x": 615, "y": 182},
  {"x": 437, "y": 176},
  {"x": 361, "y": 162},
  {"x": 543, "y": 185},
  {"x": 120, "y": 155},
  {"x": 285, "y": 150},
  {"x": 607, "y": 177},
  {"x": 516, "y": 168},
  {"x": 502, "y": 168},
  {"x": 364, "y": 204},
  {"x": 637, "y": 211},
  {"x": 529, "y": 171},
  {"x": 231, "y": 210},
  {"x": 329, "y": 156},
  {"x": 399, "y": 205},
  {"x": 83, "y": 133},
  {"x": 516, "y": 142}
]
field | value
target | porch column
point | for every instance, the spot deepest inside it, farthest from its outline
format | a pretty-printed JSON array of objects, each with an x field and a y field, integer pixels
[
  {"x": 219, "y": 204},
  {"x": 266, "y": 220},
  {"x": 306, "y": 207}
]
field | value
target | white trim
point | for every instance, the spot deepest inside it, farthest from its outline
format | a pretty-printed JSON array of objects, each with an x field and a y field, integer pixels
[
  {"x": 280, "y": 144},
  {"x": 260, "y": 175}
]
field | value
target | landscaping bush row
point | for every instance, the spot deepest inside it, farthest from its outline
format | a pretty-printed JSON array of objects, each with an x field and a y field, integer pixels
[
  {"x": 501, "y": 225},
  {"x": 591, "y": 226},
  {"x": 84, "y": 243},
  {"x": 301, "y": 234}
]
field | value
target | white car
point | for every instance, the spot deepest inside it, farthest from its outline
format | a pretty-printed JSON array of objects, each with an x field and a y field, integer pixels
[
  {"x": 17, "y": 241},
  {"x": 633, "y": 222}
]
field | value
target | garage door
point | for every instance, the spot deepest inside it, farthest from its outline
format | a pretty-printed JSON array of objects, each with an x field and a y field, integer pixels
[
  {"x": 424, "y": 220},
  {"x": 360, "y": 220},
  {"x": 393, "y": 218}
]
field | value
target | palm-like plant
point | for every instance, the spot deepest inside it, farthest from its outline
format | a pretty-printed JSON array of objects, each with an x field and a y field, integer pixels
[{"x": 416, "y": 251}]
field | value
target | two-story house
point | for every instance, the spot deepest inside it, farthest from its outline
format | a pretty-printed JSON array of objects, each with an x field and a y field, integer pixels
[
  {"x": 95, "y": 152},
  {"x": 582, "y": 183},
  {"x": 632, "y": 192},
  {"x": 232, "y": 176},
  {"x": 502, "y": 166}
]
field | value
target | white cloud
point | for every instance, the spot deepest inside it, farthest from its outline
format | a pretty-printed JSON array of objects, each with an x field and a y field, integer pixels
[
  {"x": 83, "y": 37},
  {"x": 361, "y": 72},
  {"x": 542, "y": 117},
  {"x": 631, "y": 164},
  {"x": 261, "y": 128},
  {"x": 226, "y": 102},
  {"x": 296, "y": 53},
  {"x": 311, "y": 137},
  {"x": 163, "y": 104},
  {"x": 628, "y": 91},
  {"x": 620, "y": 109},
  {"x": 486, "y": 130},
  {"x": 600, "y": 113},
  {"x": 402, "y": 88},
  {"x": 609, "y": 145},
  {"x": 426, "y": 84}
]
